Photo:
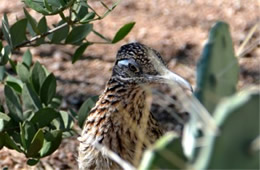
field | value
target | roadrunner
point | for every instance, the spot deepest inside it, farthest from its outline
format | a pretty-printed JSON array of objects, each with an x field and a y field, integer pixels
[{"x": 118, "y": 117}]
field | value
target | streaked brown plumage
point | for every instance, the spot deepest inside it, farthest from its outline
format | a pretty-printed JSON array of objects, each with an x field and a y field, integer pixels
[{"x": 117, "y": 117}]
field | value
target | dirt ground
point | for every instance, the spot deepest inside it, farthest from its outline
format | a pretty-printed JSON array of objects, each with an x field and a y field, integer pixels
[{"x": 177, "y": 29}]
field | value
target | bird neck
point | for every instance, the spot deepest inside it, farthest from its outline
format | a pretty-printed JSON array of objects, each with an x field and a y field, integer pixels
[
  {"x": 119, "y": 103},
  {"x": 127, "y": 97}
]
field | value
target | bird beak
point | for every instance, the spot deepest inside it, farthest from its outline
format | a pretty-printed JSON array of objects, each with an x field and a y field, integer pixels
[
  {"x": 167, "y": 75},
  {"x": 172, "y": 77}
]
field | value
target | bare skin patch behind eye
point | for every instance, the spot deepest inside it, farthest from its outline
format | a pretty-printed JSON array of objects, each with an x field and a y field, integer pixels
[{"x": 123, "y": 62}]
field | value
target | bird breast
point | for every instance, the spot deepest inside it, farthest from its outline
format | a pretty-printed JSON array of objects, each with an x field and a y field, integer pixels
[{"x": 114, "y": 123}]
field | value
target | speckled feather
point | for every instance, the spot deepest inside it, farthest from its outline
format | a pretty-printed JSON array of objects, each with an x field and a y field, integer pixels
[
  {"x": 109, "y": 125},
  {"x": 120, "y": 107}
]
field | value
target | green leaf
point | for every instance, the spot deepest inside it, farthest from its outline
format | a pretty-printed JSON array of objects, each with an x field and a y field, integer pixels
[
  {"x": 13, "y": 104},
  {"x": 2, "y": 73},
  {"x": 2, "y": 140},
  {"x": 42, "y": 25},
  {"x": 166, "y": 153},
  {"x": 37, "y": 6},
  {"x": 22, "y": 135},
  {"x": 22, "y": 72},
  {"x": 18, "y": 32},
  {"x": 62, "y": 2},
  {"x": 32, "y": 21},
  {"x": 32, "y": 162},
  {"x": 27, "y": 58},
  {"x": 14, "y": 134},
  {"x": 2, "y": 126},
  {"x": 57, "y": 3},
  {"x": 87, "y": 18},
  {"x": 5, "y": 55},
  {"x": 218, "y": 68},
  {"x": 52, "y": 141},
  {"x": 51, "y": 8},
  {"x": 66, "y": 119},
  {"x": 30, "y": 98},
  {"x": 15, "y": 86},
  {"x": 239, "y": 119},
  {"x": 14, "y": 83},
  {"x": 60, "y": 34},
  {"x": 44, "y": 117},
  {"x": 47, "y": 6},
  {"x": 2, "y": 109},
  {"x": 123, "y": 31},
  {"x": 10, "y": 143},
  {"x": 13, "y": 65},
  {"x": 57, "y": 124},
  {"x": 78, "y": 53},
  {"x": 85, "y": 109},
  {"x": 6, "y": 30},
  {"x": 43, "y": 28},
  {"x": 81, "y": 12},
  {"x": 27, "y": 132},
  {"x": 56, "y": 102},
  {"x": 38, "y": 76},
  {"x": 48, "y": 89},
  {"x": 36, "y": 144},
  {"x": 78, "y": 33},
  {"x": 28, "y": 114},
  {"x": 4, "y": 116},
  {"x": 80, "y": 9},
  {"x": 74, "y": 114},
  {"x": 4, "y": 119}
]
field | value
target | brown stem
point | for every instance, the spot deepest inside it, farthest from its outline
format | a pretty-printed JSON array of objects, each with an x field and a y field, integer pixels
[{"x": 41, "y": 36}]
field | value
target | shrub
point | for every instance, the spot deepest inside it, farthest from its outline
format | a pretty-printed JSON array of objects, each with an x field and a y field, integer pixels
[{"x": 32, "y": 122}]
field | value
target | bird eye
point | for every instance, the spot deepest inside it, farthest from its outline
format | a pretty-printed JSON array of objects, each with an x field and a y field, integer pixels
[{"x": 133, "y": 68}]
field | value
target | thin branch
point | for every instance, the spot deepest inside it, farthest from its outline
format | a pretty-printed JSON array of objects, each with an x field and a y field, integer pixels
[
  {"x": 98, "y": 42},
  {"x": 248, "y": 37},
  {"x": 101, "y": 36},
  {"x": 94, "y": 11},
  {"x": 42, "y": 35},
  {"x": 104, "y": 5},
  {"x": 249, "y": 48},
  {"x": 112, "y": 8},
  {"x": 64, "y": 18},
  {"x": 107, "y": 12}
]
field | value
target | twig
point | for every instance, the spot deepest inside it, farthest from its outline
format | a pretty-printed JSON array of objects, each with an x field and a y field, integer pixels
[
  {"x": 98, "y": 42},
  {"x": 99, "y": 17},
  {"x": 101, "y": 36},
  {"x": 64, "y": 18},
  {"x": 249, "y": 48},
  {"x": 248, "y": 37},
  {"x": 41, "y": 36}
]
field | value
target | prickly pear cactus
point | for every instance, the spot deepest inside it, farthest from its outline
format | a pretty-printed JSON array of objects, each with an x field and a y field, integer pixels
[
  {"x": 237, "y": 146},
  {"x": 166, "y": 153},
  {"x": 217, "y": 70}
]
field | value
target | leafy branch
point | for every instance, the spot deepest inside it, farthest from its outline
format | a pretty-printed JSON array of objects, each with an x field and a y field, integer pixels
[{"x": 87, "y": 19}]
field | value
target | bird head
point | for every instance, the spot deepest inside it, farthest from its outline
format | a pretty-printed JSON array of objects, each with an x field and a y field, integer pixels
[{"x": 137, "y": 63}]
